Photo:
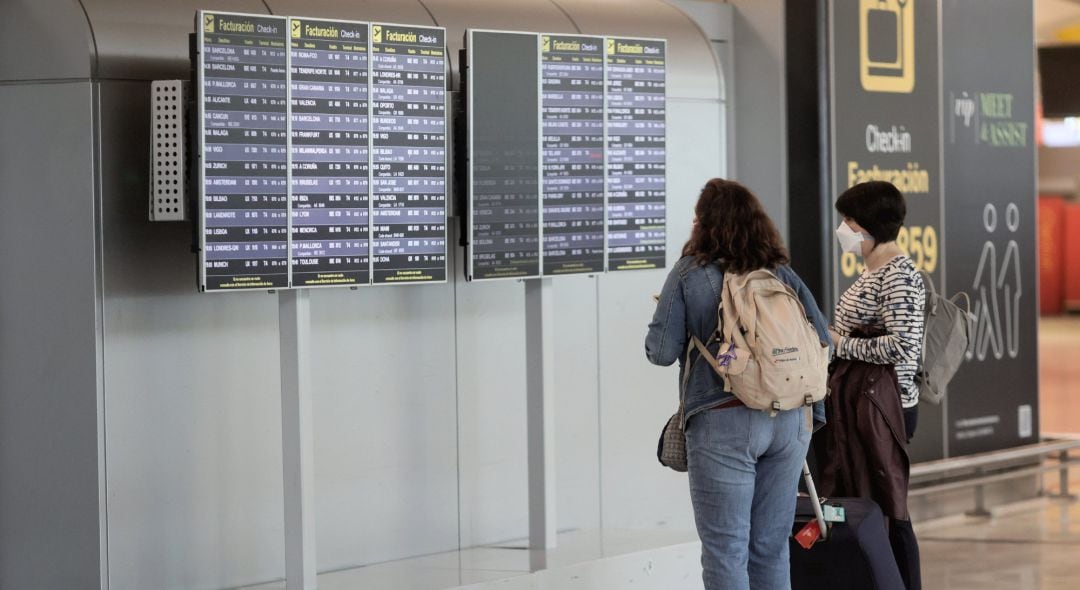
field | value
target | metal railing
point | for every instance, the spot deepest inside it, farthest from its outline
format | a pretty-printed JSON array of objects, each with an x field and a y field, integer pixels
[{"x": 976, "y": 471}]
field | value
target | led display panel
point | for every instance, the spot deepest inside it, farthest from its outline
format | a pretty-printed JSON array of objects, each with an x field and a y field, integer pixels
[
  {"x": 321, "y": 153},
  {"x": 636, "y": 153},
  {"x": 566, "y": 154},
  {"x": 408, "y": 85},
  {"x": 329, "y": 150},
  {"x": 503, "y": 79},
  {"x": 573, "y": 181},
  {"x": 243, "y": 117}
]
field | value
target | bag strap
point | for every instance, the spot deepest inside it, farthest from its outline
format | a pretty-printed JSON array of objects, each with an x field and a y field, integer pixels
[
  {"x": 726, "y": 302},
  {"x": 687, "y": 367},
  {"x": 931, "y": 299},
  {"x": 931, "y": 290},
  {"x": 967, "y": 301}
]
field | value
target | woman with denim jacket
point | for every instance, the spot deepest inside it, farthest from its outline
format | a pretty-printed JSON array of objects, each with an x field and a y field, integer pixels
[{"x": 744, "y": 465}]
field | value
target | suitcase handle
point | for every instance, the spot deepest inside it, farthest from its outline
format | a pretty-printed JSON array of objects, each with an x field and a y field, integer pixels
[{"x": 818, "y": 514}]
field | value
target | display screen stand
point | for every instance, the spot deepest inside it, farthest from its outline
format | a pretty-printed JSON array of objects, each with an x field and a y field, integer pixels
[
  {"x": 540, "y": 387},
  {"x": 297, "y": 438}
]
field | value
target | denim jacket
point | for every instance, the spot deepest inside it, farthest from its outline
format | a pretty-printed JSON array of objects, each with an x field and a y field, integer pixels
[{"x": 688, "y": 304}]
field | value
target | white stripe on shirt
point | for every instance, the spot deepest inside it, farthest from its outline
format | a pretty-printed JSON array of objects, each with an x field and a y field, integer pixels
[{"x": 891, "y": 298}]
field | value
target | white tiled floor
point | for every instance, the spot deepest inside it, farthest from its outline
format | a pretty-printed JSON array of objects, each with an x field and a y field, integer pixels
[
  {"x": 1035, "y": 546},
  {"x": 1037, "y": 549},
  {"x": 485, "y": 564}
]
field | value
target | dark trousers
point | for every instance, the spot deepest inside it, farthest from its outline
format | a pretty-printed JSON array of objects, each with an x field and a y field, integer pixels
[
  {"x": 906, "y": 551},
  {"x": 911, "y": 420},
  {"x": 901, "y": 536}
]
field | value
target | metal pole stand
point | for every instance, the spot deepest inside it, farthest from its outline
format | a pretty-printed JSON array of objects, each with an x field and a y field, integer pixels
[
  {"x": 297, "y": 439},
  {"x": 980, "y": 510},
  {"x": 540, "y": 387},
  {"x": 1063, "y": 478}
]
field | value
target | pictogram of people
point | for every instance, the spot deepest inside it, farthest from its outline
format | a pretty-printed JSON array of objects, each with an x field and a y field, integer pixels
[{"x": 996, "y": 287}]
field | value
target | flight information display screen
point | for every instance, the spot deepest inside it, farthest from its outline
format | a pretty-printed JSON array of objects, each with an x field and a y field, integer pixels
[
  {"x": 408, "y": 87},
  {"x": 504, "y": 136},
  {"x": 329, "y": 152},
  {"x": 566, "y": 154},
  {"x": 636, "y": 153},
  {"x": 321, "y": 152},
  {"x": 243, "y": 94},
  {"x": 573, "y": 181}
]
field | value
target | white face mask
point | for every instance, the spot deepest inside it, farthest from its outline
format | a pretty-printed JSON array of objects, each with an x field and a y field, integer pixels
[{"x": 850, "y": 240}]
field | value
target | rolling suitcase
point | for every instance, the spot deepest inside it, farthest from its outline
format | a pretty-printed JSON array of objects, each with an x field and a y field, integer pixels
[{"x": 850, "y": 555}]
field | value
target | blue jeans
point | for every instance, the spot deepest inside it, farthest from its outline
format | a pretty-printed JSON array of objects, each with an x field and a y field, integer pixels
[{"x": 744, "y": 476}]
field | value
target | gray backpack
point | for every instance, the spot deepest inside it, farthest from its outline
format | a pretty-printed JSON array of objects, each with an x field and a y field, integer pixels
[{"x": 946, "y": 332}]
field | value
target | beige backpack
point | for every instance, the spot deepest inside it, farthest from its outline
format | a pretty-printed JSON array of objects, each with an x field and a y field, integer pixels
[{"x": 770, "y": 355}]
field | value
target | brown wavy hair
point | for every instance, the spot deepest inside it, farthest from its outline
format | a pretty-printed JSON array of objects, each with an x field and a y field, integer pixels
[{"x": 732, "y": 229}]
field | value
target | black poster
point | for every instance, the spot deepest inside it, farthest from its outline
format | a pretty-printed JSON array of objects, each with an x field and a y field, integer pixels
[
  {"x": 504, "y": 150},
  {"x": 408, "y": 127},
  {"x": 329, "y": 134},
  {"x": 573, "y": 184},
  {"x": 885, "y": 126},
  {"x": 988, "y": 101},
  {"x": 242, "y": 105},
  {"x": 636, "y": 153}
]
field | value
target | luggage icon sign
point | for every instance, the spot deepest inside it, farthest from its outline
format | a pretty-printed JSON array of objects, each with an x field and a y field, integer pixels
[{"x": 887, "y": 45}]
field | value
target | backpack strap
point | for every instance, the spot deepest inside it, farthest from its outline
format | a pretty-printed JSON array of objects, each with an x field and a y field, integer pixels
[
  {"x": 967, "y": 301},
  {"x": 728, "y": 307},
  {"x": 931, "y": 303},
  {"x": 931, "y": 290}
]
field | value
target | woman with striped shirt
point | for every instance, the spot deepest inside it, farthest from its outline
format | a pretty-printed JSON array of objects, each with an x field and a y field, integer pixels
[
  {"x": 889, "y": 296},
  {"x": 888, "y": 299}
]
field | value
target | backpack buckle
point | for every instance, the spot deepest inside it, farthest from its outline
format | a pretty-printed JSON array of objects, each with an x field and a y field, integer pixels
[
  {"x": 809, "y": 400},
  {"x": 776, "y": 406}
]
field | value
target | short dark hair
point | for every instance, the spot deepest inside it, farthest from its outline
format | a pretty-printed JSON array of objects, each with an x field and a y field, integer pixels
[
  {"x": 733, "y": 230},
  {"x": 877, "y": 206}
]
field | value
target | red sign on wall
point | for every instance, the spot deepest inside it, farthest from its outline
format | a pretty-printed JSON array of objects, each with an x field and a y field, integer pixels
[
  {"x": 1051, "y": 254},
  {"x": 1072, "y": 257}
]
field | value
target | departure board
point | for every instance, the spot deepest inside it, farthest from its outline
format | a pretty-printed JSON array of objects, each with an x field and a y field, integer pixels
[
  {"x": 329, "y": 152},
  {"x": 321, "y": 152},
  {"x": 242, "y": 105},
  {"x": 408, "y": 86},
  {"x": 636, "y": 153},
  {"x": 504, "y": 137},
  {"x": 573, "y": 180},
  {"x": 566, "y": 155}
]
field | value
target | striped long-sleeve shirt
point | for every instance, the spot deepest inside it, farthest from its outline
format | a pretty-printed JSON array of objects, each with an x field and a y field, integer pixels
[{"x": 891, "y": 298}]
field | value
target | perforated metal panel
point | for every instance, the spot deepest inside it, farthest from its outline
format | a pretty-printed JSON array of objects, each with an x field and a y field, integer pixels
[{"x": 168, "y": 130}]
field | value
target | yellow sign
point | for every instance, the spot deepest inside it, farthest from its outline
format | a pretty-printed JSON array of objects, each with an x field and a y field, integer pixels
[
  {"x": 887, "y": 45},
  {"x": 296, "y": 29},
  {"x": 208, "y": 23},
  {"x": 611, "y": 46},
  {"x": 376, "y": 33},
  {"x": 545, "y": 44}
]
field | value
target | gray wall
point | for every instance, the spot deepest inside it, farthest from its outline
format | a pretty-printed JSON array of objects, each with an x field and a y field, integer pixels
[
  {"x": 51, "y": 524},
  {"x": 760, "y": 134},
  {"x": 131, "y": 403}
]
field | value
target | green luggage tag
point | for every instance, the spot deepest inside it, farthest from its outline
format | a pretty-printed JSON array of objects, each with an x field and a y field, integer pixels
[{"x": 833, "y": 513}]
